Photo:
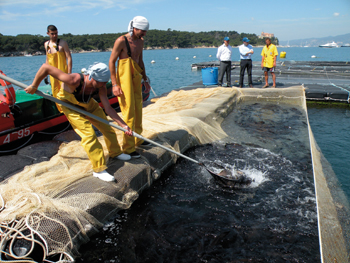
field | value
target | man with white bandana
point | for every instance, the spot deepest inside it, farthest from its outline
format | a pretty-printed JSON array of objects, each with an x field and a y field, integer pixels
[
  {"x": 78, "y": 89},
  {"x": 126, "y": 80}
]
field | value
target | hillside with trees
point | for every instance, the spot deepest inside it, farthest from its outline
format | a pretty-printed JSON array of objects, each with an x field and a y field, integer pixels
[{"x": 34, "y": 44}]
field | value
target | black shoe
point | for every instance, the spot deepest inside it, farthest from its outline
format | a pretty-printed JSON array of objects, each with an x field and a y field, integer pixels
[
  {"x": 134, "y": 155},
  {"x": 146, "y": 144}
]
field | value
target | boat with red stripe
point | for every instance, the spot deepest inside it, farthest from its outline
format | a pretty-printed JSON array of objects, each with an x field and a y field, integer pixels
[{"x": 24, "y": 115}]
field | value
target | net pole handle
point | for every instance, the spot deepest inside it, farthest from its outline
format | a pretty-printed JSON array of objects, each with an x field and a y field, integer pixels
[{"x": 72, "y": 107}]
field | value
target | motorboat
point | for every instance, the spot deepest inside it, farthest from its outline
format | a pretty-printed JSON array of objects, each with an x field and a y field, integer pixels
[
  {"x": 329, "y": 45},
  {"x": 23, "y": 115},
  {"x": 346, "y": 45}
]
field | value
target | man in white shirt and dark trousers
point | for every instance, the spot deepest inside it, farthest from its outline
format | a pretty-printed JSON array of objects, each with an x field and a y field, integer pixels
[
  {"x": 246, "y": 51},
  {"x": 224, "y": 56}
]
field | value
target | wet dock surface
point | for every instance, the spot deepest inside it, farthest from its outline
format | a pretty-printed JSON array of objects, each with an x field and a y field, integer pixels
[{"x": 323, "y": 80}]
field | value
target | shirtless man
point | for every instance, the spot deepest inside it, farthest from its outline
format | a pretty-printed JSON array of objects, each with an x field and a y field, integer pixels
[
  {"x": 126, "y": 81},
  {"x": 78, "y": 89},
  {"x": 57, "y": 55},
  {"x": 55, "y": 45}
]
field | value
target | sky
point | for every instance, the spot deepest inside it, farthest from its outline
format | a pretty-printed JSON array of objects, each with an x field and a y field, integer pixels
[{"x": 287, "y": 19}]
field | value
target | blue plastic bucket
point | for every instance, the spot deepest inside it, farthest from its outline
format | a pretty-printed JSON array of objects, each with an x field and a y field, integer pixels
[{"x": 210, "y": 76}]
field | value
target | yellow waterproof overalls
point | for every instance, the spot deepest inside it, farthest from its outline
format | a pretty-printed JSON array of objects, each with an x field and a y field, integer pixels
[
  {"x": 82, "y": 125},
  {"x": 130, "y": 102},
  {"x": 57, "y": 60}
]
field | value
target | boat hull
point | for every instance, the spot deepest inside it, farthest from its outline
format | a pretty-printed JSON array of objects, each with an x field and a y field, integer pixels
[
  {"x": 329, "y": 45},
  {"x": 33, "y": 114}
]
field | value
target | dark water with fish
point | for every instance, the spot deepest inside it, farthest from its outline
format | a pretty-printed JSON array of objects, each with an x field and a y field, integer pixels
[
  {"x": 279, "y": 128},
  {"x": 187, "y": 216}
]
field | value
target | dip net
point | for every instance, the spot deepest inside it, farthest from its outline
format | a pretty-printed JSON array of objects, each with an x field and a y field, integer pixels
[{"x": 51, "y": 208}]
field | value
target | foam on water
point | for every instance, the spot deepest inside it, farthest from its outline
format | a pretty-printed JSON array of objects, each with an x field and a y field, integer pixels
[{"x": 257, "y": 177}]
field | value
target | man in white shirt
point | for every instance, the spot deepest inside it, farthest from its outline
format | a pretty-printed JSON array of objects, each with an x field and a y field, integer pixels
[
  {"x": 224, "y": 56},
  {"x": 246, "y": 51}
]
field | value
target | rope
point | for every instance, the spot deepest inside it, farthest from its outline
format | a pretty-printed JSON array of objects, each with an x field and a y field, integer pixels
[
  {"x": 51, "y": 133},
  {"x": 13, "y": 231},
  {"x": 149, "y": 82},
  {"x": 155, "y": 95},
  {"x": 8, "y": 151},
  {"x": 331, "y": 83}
]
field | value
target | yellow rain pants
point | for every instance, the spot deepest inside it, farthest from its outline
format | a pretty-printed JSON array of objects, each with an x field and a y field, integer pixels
[
  {"x": 82, "y": 125},
  {"x": 130, "y": 102},
  {"x": 57, "y": 60}
]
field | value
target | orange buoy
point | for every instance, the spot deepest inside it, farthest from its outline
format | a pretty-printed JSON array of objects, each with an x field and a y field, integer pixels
[{"x": 10, "y": 93}]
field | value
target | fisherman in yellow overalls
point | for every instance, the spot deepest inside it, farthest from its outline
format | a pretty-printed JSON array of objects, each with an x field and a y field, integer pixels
[
  {"x": 57, "y": 55},
  {"x": 79, "y": 89},
  {"x": 127, "y": 80}
]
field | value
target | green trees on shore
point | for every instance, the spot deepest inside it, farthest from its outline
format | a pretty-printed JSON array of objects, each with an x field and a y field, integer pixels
[{"x": 31, "y": 44}]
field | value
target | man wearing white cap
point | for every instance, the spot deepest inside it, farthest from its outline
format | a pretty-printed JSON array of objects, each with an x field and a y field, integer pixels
[
  {"x": 126, "y": 80},
  {"x": 78, "y": 89}
]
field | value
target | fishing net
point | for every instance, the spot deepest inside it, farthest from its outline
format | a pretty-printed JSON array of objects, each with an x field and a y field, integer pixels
[{"x": 50, "y": 208}]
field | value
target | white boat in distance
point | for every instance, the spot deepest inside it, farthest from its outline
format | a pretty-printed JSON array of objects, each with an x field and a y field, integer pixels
[{"x": 329, "y": 45}]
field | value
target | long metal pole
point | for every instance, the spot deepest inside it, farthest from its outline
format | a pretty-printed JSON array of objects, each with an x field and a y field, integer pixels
[{"x": 72, "y": 107}]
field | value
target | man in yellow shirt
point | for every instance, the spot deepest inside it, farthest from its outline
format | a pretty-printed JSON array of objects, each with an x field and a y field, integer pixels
[{"x": 268, "y": 62}]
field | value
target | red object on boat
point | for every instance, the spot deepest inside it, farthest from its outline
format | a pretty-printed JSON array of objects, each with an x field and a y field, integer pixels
[
  {"x": 10, "y": 98},
  {"x": 6, "y": 119}
]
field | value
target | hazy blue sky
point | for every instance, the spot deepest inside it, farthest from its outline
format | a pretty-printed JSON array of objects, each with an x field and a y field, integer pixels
[{"x": 287, "y": 19}]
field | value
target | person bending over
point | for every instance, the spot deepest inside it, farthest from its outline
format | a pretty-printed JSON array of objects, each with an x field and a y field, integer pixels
[{"x": 78, "y": 89}]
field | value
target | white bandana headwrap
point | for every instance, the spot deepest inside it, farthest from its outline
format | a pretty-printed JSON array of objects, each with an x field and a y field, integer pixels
[
  {"x": 99, "y": 72},
  {"x": 138, "y": 22}
]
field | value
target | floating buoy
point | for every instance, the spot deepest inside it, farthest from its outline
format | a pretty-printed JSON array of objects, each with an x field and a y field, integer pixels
[
  {"x": 210, "y": 56},
  {"x": 177, "y": 58},
  {"x": 313, "y": 56},
  {"x": 194, "y": 56},
  {"x": 153, "y": 61},
  {"x": 283, "y": 54}
]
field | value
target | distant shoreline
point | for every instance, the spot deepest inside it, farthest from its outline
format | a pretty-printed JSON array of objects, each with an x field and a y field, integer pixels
[{"x": 39, "y": 53}]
